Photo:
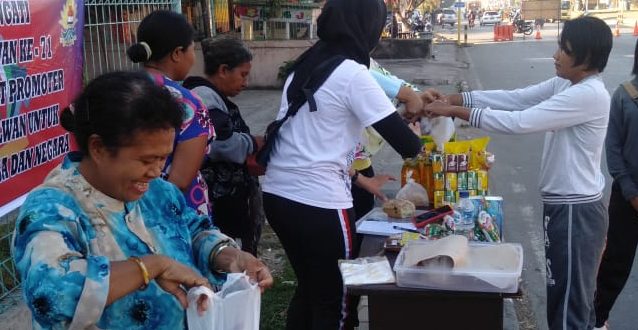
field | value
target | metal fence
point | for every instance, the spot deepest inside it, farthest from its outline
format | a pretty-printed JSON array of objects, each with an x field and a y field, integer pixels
[
  {"x": 109, "y": 29},
  {"x": 262, "y": 21},
  {"x": 9, "y": 279}
]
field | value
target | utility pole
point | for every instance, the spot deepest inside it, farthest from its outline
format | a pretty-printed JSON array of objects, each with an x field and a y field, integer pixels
[
  {"x": 458, "y": 26},
  {"x": 458, "y": 6}
]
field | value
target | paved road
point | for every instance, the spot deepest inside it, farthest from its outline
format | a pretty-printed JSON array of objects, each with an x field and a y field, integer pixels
[
  {"x": 516, "y": 64},
  {"x": 549, "y": 32}
]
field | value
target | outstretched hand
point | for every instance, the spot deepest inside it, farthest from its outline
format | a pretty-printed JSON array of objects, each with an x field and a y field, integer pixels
[
  {"x": 430, "y": 95},
  {"x": 438, "y": 108},
  {"x": 374, "y": 184},
  {"x": 413, "y": 106}
]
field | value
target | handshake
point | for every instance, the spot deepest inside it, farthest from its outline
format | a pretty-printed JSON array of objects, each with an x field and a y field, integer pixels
[{"x": 429, "y": 103}]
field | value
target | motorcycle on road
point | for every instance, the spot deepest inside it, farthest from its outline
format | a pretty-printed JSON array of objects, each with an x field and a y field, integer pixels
[{"x": 521, "y": 26}]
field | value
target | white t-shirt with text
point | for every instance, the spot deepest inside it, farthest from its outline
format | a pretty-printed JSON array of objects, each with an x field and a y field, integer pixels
[{"x": 314, "y": 150}]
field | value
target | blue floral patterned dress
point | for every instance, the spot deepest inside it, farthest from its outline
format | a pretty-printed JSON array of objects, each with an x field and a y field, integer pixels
[
  {"x": 196, "y": 123},
  {"x": 67, "y": 233}
]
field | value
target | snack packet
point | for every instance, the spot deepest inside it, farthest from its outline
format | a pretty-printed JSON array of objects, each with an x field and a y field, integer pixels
[{"x": 478, "y": 153}]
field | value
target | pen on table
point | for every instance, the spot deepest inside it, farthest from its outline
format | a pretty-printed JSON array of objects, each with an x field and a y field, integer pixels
[{"x": 406, "y": 229}]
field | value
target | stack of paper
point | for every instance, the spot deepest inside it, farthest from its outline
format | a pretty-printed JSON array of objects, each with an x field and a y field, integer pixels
[{"x": 382, "y": 228}]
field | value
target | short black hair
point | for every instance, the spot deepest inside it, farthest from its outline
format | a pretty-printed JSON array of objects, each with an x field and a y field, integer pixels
[
  {"x": 162, "y": 31},
  {"x": 224, "y": 50},
  {"x": 117, "y": 105},
  {"x": 590, "y": 40},
  {"x": 634, "y": 71}
]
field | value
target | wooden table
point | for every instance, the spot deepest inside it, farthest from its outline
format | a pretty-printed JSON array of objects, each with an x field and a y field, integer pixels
[{"x": 392, "y": 307}]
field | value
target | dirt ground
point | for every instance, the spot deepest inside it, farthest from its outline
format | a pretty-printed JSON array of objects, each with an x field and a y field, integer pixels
[{"x": 271, "y": 251}]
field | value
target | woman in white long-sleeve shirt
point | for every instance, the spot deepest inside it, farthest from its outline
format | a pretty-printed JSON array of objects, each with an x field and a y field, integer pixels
[{"x": 573, "y": 108}]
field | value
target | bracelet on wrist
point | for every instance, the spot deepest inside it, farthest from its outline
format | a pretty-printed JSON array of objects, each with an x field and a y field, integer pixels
[
  {"x": 145, "y": 276},
  {"x": 215, "y": 253}
]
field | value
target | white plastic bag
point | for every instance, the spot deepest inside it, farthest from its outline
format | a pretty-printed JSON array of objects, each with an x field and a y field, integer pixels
[
  {"x": 235, "y": 307},
  {"x": 442, "y": 130},
  {"x": 413, "y": 192}
]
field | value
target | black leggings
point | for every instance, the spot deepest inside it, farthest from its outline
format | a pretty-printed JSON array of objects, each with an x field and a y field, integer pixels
[{"x": 314, "y": 239}]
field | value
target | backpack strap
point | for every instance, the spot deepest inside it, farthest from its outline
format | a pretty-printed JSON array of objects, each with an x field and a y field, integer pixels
[
  {"x": 316, "y": 79},
  {"x": 631, "y": 90}
]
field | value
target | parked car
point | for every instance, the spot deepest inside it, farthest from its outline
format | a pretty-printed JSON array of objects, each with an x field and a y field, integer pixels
[
  {"x": 448, "y": 16},
  {"x": 490, "y": 17}
]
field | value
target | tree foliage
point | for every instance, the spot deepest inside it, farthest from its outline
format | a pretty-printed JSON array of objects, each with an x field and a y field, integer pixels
[{"x": 407, "y": 6}]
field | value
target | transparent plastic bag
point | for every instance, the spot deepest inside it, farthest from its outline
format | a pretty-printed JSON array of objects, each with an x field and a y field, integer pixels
[
  {"x": 442, "y": 130},
  {"x": 413, "y": 192},
  {"x": 368, "y": 270},
  {"x": 236, "y": 306}
]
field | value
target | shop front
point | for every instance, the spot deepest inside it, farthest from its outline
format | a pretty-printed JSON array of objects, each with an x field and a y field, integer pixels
[
  {"x": 200, "y": 14},
  {"x": 276, "y": 32},
  {"x": 260, "y": 20}
]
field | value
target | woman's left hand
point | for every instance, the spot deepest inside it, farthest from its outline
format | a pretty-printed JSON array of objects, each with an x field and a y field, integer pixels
[
  {"x": 234, "y": 260},
  {"x": 257, "y": 271}
]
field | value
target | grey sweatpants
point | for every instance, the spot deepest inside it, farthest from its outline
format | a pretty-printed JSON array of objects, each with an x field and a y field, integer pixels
[{"x": 574, "y": 242}]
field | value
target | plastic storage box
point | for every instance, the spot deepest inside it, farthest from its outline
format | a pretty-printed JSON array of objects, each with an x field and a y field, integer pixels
[{"x": 473, "y": 279}]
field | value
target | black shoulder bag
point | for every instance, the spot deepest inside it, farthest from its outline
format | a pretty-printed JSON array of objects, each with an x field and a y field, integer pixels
[{"x": 311, "y": 85}]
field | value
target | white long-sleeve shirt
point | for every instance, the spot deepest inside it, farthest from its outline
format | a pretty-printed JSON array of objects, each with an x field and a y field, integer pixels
[{"x": 575, "y": 118}]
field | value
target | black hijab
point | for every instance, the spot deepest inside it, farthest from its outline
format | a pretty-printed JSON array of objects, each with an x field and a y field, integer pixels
[{"x": 346, "y": 28}]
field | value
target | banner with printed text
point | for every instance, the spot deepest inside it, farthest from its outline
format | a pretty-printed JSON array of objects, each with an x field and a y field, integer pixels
[{"x": 40, "y": 74}]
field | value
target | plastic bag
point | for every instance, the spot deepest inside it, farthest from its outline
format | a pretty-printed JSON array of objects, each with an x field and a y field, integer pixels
[
  {"x": 369, "y": 270},
  {"x": 442, "y": 130},
  {"x": 236, "y": 306},
  {"x": 413, "y": 192}
]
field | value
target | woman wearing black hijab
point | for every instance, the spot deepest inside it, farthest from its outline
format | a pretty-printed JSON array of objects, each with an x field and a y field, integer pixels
[{"x": 307, "y": 186}]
